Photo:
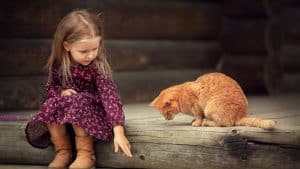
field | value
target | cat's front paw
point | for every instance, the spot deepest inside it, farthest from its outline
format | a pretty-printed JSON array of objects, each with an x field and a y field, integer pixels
[{"x": 197, "y": 123}]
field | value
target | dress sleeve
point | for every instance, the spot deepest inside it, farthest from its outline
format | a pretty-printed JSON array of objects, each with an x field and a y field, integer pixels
[
  {"x": 110, "y": 99},
  {"x": 53, "y": 86}
]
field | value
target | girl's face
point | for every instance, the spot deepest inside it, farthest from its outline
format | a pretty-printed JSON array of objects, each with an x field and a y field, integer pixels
[{"x": 83, "y": 51}]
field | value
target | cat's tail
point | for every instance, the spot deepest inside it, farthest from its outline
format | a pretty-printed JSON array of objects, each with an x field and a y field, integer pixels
[{"x": 256, "y": 122}]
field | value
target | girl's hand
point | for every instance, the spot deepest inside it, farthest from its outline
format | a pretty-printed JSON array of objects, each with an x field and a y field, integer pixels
[
  {"x": 68, "y": 92},
  {"x": 120, "y": 140}
]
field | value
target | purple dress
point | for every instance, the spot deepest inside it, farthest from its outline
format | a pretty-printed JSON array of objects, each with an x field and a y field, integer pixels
[{"x": 96, "y": 107}]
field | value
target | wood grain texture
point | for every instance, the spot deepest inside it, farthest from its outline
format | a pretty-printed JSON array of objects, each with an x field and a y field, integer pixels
[
  {"x": 255, "y": 73},
  {"x": 24, "y": 57},
  {"x": 138, "y": 19},
  {"x": 243, "y": 36},
  {"x": 27, "y": 92},
  {"x": 157, "y": 143}
]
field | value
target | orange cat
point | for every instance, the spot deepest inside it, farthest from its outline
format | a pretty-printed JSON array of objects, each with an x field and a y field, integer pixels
[{"x": 214, "y": 99}]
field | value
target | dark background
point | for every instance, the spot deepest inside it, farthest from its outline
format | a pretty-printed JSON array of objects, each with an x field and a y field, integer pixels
[{"x": 153, "y": 44}]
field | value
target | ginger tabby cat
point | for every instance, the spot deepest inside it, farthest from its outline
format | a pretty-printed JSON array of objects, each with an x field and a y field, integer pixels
[{"x": 214, "y": 99}]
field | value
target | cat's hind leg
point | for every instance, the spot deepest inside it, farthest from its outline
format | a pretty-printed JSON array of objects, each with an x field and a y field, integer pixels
[{"x": 221, "y": 119}]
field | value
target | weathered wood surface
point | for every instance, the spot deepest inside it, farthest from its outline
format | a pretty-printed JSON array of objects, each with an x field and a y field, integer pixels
[
  {"x": 255, "y": 73},
  {"x": 291, "y": 25},
  {"x": 243, "y": 36},
  {"x": 157, "y": 143},
  {"x": 19, "y": 57},
  {"x": 26, "y": 92},
  {"x": 144, "y": 19},
  {"x": 247, "y": 9},
  {"x": 11, "y": 166},
  {"x": 290, "y": 57},
  {"x": 252, "y": 47}
]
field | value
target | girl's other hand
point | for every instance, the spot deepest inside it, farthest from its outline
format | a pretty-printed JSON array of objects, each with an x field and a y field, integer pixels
[
  {"x": 121, "y": 141},
  {"x": 68, "y": 92}
]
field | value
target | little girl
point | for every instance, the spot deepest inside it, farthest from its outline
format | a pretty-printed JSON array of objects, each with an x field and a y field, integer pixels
[{"x": 80, "y": 92}]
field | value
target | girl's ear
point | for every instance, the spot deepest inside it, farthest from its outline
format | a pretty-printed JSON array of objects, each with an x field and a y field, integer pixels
[{"x": 66, "y": 46}]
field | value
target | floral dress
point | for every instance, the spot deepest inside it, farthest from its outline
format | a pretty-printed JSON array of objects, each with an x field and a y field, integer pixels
[{"x": 96, "y": 107}]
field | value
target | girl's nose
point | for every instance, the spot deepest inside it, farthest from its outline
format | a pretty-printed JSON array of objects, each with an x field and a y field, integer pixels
[{"x": 90, "y": 55}]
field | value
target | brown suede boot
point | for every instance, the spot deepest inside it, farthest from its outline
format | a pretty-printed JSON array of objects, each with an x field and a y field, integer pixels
[
  {"x": 63, "y": 152},
  {"x": 85, "y": 158}
]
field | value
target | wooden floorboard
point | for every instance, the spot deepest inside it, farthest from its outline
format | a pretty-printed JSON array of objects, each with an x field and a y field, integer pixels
[
  {"x": 157, "y": 143},
  {"x": 12, "y": 166}
]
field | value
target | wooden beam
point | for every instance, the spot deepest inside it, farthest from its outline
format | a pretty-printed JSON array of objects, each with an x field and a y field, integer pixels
[
  {"x": 157, "y": 143},
  {"x": 135, "y": 20},
  {"x": 19, "y": 57},
  {"x": 290, "y": 57},
  {"x": 244, "y": 9},
  {"x": 255, "y": 73},
  {"x": 26, "y": 92},
  {"x": 243, "y": 36},
  {"x": 291, "y": 26}
]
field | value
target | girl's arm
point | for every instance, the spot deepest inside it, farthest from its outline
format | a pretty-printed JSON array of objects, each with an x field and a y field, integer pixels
[
  {"x": 113, "y": 107},
  {"x": 53, "y": 86},
  {"x": 110, "y": 99}
]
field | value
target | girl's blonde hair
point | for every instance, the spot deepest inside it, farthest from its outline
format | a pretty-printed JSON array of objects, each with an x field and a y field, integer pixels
[{"x": 77, "y": 25}]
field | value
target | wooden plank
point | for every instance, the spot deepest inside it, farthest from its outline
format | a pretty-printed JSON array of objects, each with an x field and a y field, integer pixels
[
  {"x": 11, "y": 166},
  {"x": 255, "y": 73},
  {"x": 157, "y": 143},
  {"x": 290, "y": 57},
  {"x": 243, "y": 36},
  {"x": 244, "y": 9},
  {"x": 29, "y": 56},
  {"x": 291, "y": 28},
  {"x": 139, "y": 19},
  {"x": 27, "y": 92}
]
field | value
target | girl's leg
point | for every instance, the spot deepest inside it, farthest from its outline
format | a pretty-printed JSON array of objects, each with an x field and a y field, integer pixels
[
  {"x": 62, "y": 145},
  {"x": 85, "y": 158}
]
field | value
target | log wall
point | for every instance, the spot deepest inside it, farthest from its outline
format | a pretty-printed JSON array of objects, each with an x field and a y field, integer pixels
[
  {"x": 145, "y": 41},
  {"x": 251, "y": 39},
  {"x": 255, "y": 42}
]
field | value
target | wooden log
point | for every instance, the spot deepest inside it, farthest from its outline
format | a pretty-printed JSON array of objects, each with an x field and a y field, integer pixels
[
  {"x": 19, "y": 57},
  {"x": 135, "y": 20},
  {"x": 255, "y": 74},
  {"x": 27, "y": 92},
  {"x": 176, "y": 144},
  {"x": 290, "y": 58},
  {"x": 243, "y": 36},
  {"x": 291, "y": 26},
  {"x": 244, "y": 9}
]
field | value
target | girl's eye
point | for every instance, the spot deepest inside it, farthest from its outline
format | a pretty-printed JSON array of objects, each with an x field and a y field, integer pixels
[{"x": 83, "y": 51}]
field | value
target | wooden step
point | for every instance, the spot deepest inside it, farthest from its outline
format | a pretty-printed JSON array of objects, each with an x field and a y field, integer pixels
[
  {"x": 26, "y": 92},
  {"x": 137, "y": 19},
  {"x": 157, "y": 143},
  {"x": 29, "y": 56}
]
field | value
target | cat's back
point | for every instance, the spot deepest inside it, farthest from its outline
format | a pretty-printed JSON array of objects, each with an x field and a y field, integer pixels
[
  {"x": 212, "y": 85},
  {"x": 217, "y": 81}
]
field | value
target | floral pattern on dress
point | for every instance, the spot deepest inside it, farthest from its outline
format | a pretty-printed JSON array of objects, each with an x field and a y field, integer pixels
[{"x": 96, "y": 107}]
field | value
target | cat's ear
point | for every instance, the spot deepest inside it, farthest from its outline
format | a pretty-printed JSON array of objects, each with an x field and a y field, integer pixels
[{"x": 153, "y": 103}]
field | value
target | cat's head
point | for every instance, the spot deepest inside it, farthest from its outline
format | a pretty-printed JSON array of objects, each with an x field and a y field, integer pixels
[{"x": 167, "y": 103}]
